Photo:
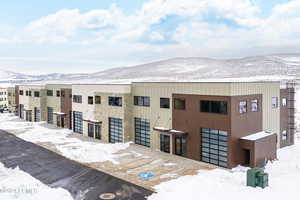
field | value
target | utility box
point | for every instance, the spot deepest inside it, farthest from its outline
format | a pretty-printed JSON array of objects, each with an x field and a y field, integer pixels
[{"x": 256, "y": 177}]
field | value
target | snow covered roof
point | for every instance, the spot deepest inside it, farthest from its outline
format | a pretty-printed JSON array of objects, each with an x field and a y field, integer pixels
[
  {"x": 161, "y": 129},
  {"x": 58, "y": 113},
  {"x": 257, "y": 136}
]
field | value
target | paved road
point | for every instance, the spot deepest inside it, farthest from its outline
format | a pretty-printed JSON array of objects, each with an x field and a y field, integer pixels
[{"x": 57, "y": 171}]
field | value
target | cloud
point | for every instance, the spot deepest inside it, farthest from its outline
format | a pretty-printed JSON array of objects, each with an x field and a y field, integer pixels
[{"x": 164, "y": 28}]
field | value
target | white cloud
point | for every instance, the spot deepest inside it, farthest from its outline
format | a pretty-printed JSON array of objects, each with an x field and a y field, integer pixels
[{"x": 114, "y": 36}]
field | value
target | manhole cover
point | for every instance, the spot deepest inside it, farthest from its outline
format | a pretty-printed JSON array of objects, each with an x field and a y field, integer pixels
[{"x": 107, "y": 196}]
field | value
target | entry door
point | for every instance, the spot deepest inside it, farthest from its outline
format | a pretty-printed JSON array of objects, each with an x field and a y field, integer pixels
[
  {"x": 21, "y": 111},
  {"x": 98, "y": 132},
  {"x": 165, "y": 143},
  {"x": 63, "y": 121},
  {"x": 91, "y": 130},
  {"x": 180, "y": 146},
  {"x": 58, "y": 121}
]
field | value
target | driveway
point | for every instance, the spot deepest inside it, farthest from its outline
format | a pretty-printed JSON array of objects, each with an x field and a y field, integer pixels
[{"x": 84, "y": 183}]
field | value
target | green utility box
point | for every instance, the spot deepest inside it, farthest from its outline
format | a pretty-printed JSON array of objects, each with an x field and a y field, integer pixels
[{"x": 256, "y": 177}]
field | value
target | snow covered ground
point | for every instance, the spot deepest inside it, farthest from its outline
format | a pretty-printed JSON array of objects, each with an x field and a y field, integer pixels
[
  {"x": 73, "y": 148},
  {"x": 18, "y": 185}
]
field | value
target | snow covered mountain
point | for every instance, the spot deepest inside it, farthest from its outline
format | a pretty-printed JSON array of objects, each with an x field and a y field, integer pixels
[{"x": 272, "y": 67}]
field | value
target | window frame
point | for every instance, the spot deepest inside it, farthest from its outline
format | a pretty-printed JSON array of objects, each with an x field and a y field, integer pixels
[
  {"x": 254, "y": 109},
  {"x": 49, "y": 93},
  {"x": 243, "y": 111},
  {"x": 179, "y": 100},
  {"x": 97, "y": 99},
  {"x": 90, "y": 100},
  {"x": 274, "y": 104},
  {"x": 165, "y": 103},
  {"x": 115, "y": 101}
]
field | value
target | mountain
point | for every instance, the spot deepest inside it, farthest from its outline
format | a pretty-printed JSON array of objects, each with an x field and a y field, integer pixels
[
  {"x": 271, "y": 67},
  {"x": 197, "y": 69}
]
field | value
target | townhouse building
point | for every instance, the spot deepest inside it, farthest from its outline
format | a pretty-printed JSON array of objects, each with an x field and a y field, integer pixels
[
  {"x": 11, "y": 100},
  {"x": 224, "y": 124},
  {"x": 3, "y": 98},
  {"x": 59, "y": 105},
  {"x": 32, "y": 102}
]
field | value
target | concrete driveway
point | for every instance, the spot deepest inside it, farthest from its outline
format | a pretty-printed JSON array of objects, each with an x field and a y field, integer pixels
[{"x": 84, "y": 183}]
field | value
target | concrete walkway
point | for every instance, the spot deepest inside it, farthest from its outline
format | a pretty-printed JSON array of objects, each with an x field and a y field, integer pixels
[{"x": 84, "y": 183}]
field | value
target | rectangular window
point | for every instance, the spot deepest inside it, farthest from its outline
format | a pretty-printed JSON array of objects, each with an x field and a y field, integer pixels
[
  {"x": 27, "y": 93},
  {"x": 243, "y": 107},
  {"x": 179, "y": 104},
  {"x": 98, "y": 132},
  {"x": 77, "y": 98},
  {"x": 97, "y": 100},
  {"x": 283, "y": 102},
  {"x": 284, "y": 135},
  {"x": 36, "y": 94},
  {"x": 49, "y": 93},
  {"x": 142, "y": 132},
  {"x": 274, "y": 102},
  {"x": 21, "y": 92},
  {"x": 57, "y": 93},
  {"x": 254, "y": 105},
  {"x": 164, "y": 103},
  {"x": 63, "y": 93},
  {"x": 115, "y": 130},
  {"x": 141, "y": 101},
  {"x": 90, "y": 100},
  {"x": 115, "y": 101},
  {"x": 216, "y": 107}
]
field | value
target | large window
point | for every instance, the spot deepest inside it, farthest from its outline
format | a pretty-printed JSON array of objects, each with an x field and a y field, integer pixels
[
  {"x": 165, "y": 143},
  {"x": 21, "y": 92},
  {"x": 50, "y": 115},
  {"x": 217, "y": 107},
  {"x": 243, "y": 107},
  {"x": 141, "y": 101},
  {"x": 254, "y": 105},
  {"x": 77, "y": 122},
  {"x": 179, "y": 104},
  {"x": 77, "y": 98},
  {"x": 164, "y": 103},
  {"x": 37, "y": 115},
  {"x": 49, "y": 93},
  {"x": 214, "y": 146},
  {"x": 142, "y": 132},
  {"x": 115, "y": 130},
  {"x": 274, "y": 102},
  {"x": 115, "y": 101},
  {"x": 90, "y": 100}
]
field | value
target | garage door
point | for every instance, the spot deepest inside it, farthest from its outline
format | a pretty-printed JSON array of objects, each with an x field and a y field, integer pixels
[
  {"x": 142, "y": 132},
  {"x": 77, "y": 120},
  {"x": 214, "y": 146},
  {"x": 115, "y": 130}
]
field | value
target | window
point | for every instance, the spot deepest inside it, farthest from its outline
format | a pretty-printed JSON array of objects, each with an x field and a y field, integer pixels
[
  {"x": 49, "y": 93},
  {"x": 164, "y": 103},
  {"x": 115, "y": 101},
  {"x": 179, "y": 104},
  {"x": 243, "y": 107},
  {"x": 98, "y": 132},
  {"x": 274, "y": 102},
  {"x": 57, "y": 93},
  {"x": 216, "y": 107},
  {"x": 21, "y": 92},
  {"x": 27, "y": 93},
  {"x": 141, "y": 101},
  {"x": 90, "y": 100},
  {"x": 115, "y": 130},
  {"x": 77, "y": 98},
  {"x": 97, "y": 100},
  {"x": 142, "y": 132},
  {"x": 50, "y": 115},
  {"x": 284, "y": 135},
  {"x": 214, "y": 146},
  {"x": 283, "y": 102},
  {"x": 77, "y": 122},
  {"x": 37, "y": 114},
  {"x": 36, "y": 94},
  {"x": 254, "y": 105},
  {"x": 63, "y": 93}
]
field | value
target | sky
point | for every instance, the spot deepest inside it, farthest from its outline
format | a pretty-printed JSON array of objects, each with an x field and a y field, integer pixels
[{"x": 75, "y": 36}]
